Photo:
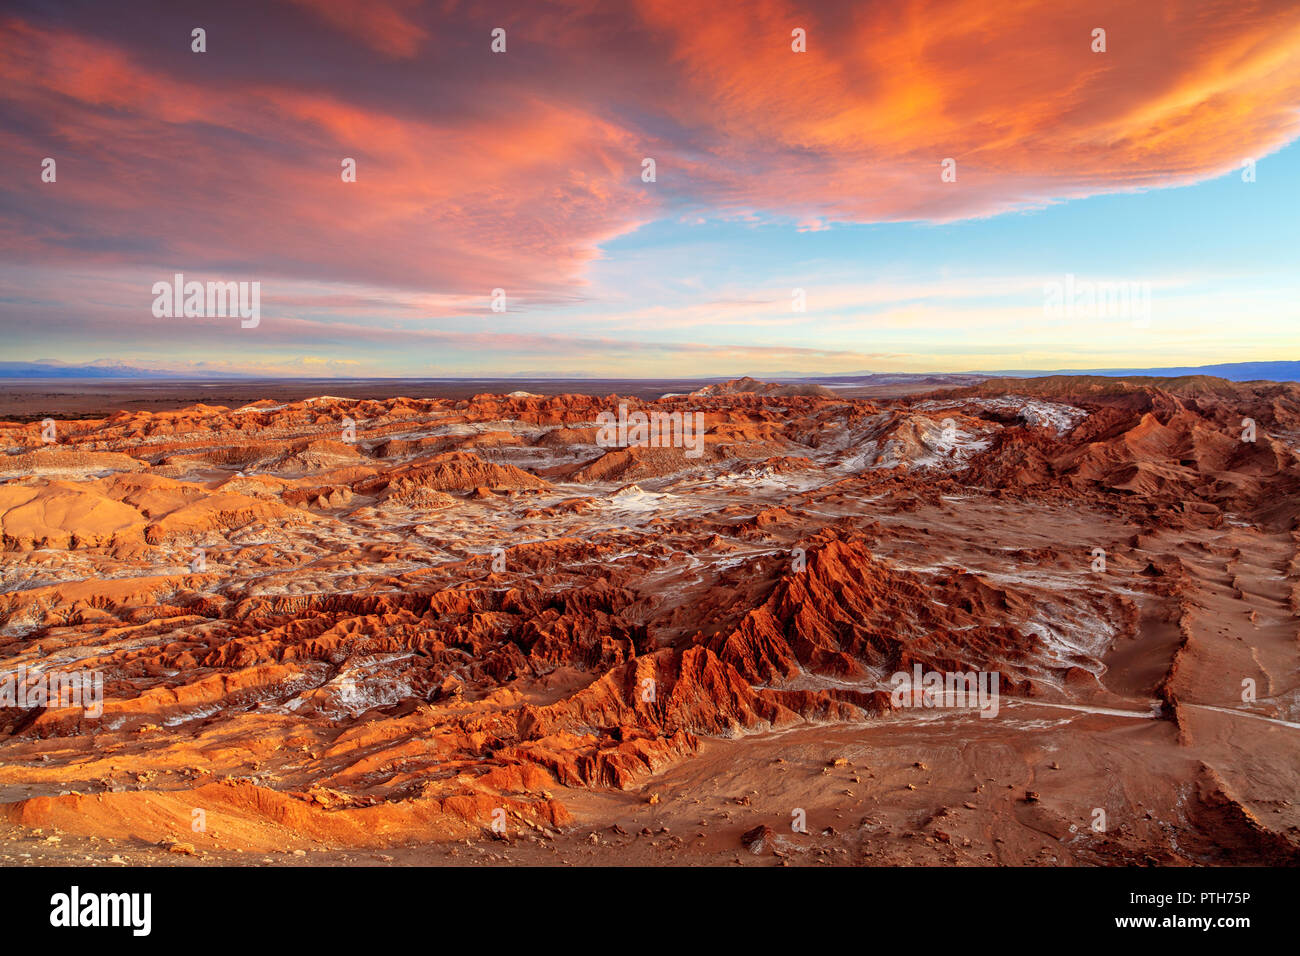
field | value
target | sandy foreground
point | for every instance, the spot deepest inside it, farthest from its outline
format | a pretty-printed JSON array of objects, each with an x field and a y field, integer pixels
[{"x": 348, "y": 631}]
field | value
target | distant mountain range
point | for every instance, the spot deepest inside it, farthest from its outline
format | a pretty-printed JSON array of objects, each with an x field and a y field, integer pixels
[
  {"x": 1233, "y": 371},
  {"x": 51, "y": 369}
]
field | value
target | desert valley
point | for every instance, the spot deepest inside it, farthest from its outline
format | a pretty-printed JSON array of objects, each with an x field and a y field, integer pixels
[{"x": 345, "y": 630}]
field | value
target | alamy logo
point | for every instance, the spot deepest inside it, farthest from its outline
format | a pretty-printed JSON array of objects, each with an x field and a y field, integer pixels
[
  {"x": 103, "y": 909},
  {"x": 1083, "y": 299},
  {"x": 953, "y": 689},
  {"x": 652, "y": 430},
  {"x": 28, "y": 689},
  {"x": 193, "y": 300}
]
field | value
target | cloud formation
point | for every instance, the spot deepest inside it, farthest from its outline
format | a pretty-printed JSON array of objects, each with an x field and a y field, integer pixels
[{"x": 479, "y": 170}]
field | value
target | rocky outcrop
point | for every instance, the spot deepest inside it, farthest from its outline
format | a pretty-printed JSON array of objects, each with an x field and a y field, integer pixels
[{"x": 473, "y": 607}]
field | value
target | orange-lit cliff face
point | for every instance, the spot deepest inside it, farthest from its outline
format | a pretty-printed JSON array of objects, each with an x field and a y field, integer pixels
[{"x": 332, "y": 625}]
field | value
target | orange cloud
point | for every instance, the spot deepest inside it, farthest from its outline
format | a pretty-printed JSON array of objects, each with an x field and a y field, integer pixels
[
  {"x": 479, "y": 170},
  {"x": 186, "y": 171},
  {"x": 856, "y": 127},
  {"x": 383, "y": 25}
]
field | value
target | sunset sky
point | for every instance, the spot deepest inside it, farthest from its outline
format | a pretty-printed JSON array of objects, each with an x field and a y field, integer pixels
[{"x": 775, "y": 170}]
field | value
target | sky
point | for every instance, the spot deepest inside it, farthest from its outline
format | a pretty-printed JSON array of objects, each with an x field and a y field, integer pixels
[{"x": 925, "y": 186}]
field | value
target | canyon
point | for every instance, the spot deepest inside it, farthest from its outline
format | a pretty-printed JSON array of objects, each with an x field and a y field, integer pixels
[{"x": 466, "y": 629}]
